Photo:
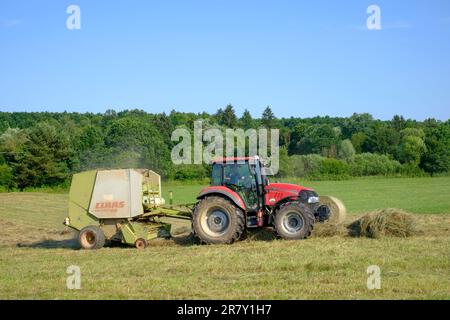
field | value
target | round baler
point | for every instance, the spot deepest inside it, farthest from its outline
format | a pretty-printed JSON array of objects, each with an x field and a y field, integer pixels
[{"x": 121, "y": 205}]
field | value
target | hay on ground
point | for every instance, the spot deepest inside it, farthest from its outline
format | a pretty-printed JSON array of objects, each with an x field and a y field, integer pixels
[
  {"x": 385, "y": 222},
  {"x": 328, "y": 229}
]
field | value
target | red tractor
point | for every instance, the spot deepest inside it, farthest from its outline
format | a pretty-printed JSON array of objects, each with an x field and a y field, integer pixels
[{"x": 241, "y": 197}]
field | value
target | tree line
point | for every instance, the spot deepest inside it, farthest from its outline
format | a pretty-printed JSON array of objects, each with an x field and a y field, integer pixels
[{"x": 45, "y": 149}]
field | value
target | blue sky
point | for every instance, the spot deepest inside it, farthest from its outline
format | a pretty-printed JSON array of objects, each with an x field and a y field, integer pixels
[{"x": 303, "y": 58}]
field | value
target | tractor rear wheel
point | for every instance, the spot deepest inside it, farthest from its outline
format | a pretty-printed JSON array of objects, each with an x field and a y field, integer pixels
[
  {"x": 91, "y": 237},
  {"x": 294, "y": 220},
  {"x": 217, "y": 220}
]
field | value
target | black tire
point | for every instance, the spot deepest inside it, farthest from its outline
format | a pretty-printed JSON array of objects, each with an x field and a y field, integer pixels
[
  {"x": 91, "y": 237},
  {"x": 294, "y": 221},
  {"x": 217, "y": 220}
]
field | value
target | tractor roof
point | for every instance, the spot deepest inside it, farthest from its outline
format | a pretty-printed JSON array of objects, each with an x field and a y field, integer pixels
[{"x": 234, "y": 159}]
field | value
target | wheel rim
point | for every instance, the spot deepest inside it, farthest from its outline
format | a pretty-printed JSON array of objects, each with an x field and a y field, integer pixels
[
  {"x": 216, "y": 222},
  {"x": 88, "y": 239},
  {"x": 293, "y": 222},
  {"x": 140, "y": 244}
]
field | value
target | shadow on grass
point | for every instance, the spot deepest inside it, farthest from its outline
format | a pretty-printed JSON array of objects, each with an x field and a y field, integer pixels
[
  {"x": 52, "y": 244},
  {"x": 354, "y": 229},
  {"x": 189, "y": 239},
  {"x": 264, "y": 234},
  {"x": 186, "y": 240}
]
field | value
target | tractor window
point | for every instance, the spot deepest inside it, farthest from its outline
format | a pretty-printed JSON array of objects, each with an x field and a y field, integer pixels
[
  {"x": 216, "y": 175},
  {"x": 238, "y": 175}
]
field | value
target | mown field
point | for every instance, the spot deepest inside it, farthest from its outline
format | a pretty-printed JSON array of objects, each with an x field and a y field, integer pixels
[{"x": 35, "y": 253}]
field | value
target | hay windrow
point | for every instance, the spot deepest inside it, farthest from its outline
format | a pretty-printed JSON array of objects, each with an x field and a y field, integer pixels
[
  {"x": 388, "y": 222},
  {"x": 385, "y": 222}
]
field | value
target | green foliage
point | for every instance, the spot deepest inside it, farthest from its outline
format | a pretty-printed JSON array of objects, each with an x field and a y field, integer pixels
[
  {"x": 6, "y": 175},
  {"x": 227, "y": 117},
  {"x": 382, "y": 139},
  {"x": 411, "y": 170},
  {"x": 246, "y": 121},
  {"x": 371, "y": 164},
  {"x": 135, "y": 143},
  {"x": 306, "y": 165},
  {"x": 45, "y": 159},
  {"x": 412, "y": 146},
  {"x": 314, "y": 166},
  {"x": 398, "y": 123},
  {"x": 12, "y": 140},
  {"x": 190, "y": 172},
  {"x": 43, "y": 148},
  {"x": 286, "y": 164},
  {"x": 437, "y": 142},
  {"x": 358, "y": 139},
  {"x": 320, "y": 139},
  {"x": 346, "y": 151},
  {"x": 333, "y": 169},
  {"x": 358, "y": 122},
  {"x": 89, "y": 138},
  {"x": 268, "y": 119}
]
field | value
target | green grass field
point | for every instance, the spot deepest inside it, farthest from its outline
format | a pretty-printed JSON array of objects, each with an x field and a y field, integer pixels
[{"x": 35, "y": 253}]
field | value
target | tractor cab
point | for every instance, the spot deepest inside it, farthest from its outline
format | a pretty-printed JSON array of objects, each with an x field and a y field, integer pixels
[{"x": 243, "y": 176}]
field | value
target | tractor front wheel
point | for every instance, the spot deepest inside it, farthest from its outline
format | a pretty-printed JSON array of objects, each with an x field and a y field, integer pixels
[
  {"x": 294, "y": 221},
  {"x": 91, "y": 237},
  {"x": 216, "y": 220}
]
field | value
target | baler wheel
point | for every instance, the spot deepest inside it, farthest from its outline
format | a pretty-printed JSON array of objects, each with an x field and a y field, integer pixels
[
  {"x": 91, "y": 237},
  {"x": 141, "y": 243}
]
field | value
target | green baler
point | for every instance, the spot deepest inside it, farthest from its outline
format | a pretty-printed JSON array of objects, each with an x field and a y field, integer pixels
[{"x": 123, "y": 205}]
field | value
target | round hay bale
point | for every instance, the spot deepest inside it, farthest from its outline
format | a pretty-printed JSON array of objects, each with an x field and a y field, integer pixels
[{"x": 337, "y": 209}]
